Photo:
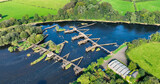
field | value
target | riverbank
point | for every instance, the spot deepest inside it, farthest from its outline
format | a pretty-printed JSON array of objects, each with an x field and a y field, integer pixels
[{"x": 89, "y": 20}]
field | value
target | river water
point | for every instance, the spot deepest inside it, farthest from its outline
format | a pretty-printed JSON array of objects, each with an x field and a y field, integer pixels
[{"x": 15, "y": 67}]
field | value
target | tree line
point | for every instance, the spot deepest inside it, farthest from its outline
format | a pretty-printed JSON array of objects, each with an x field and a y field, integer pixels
[{"x": 89, "y": 9}]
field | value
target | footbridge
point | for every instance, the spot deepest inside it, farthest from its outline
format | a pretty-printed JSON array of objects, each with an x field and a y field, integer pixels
[
  {"x": 87, "y": 39},
  {"x": 49, "y": 27}
]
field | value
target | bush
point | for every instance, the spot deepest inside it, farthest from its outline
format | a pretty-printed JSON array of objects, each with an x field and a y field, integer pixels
[
  {"x": 24, "y": 35},
  {"x": 100, "y": 61},
  {"x": 132, "y": 66},
  {"x": 12, "y": 49}
]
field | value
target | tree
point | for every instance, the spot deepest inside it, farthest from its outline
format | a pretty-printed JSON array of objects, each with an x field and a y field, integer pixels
[
  {"x": 11, "y": 49},
  {"x": 105, "y": 8},
  {"x": 49, "y": 17},
  {"x": 24, "y": 34},
  {"x": 128, "y": 15},
  {"x": 99, "y": 81},
  {"x": 61, "y": 13},
  {"x": 133, "y": 18},
  {"x": 151, "y": 19},
  {"x": 39, "y": 37},
  {"x": 132, "y": 66},
  {"x": 141, "y": 72},
  {"x": 84, "y": 78},
  {"x": 2, "y": 33},
  {"x": 0, "y": 16},
  {"x": 100, "y": 61},
  {"x": 31, "y": 39},
  {"x": 112, "y": 81},
  {"x": 36, "y": 17},
  {"x": 1, "y": 42},
  {"x": 43, "y": 18},
  {"x": 150, "y": 80},
  {"x": 119, "y": 81}
]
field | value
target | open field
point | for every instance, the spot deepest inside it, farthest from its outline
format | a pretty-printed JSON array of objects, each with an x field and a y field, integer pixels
[
  {"x": 54, "y": 4},
  {"x": 19, "y": 8},
  {"x": 147, "y": 57},
  {"x": 123, "y": 6},
  {"x": 149, "y": 5},
  {"x": 2, "y": 0}
]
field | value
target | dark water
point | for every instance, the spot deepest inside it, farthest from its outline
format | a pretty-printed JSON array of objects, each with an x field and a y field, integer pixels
[{"x": 15, "y": 67}]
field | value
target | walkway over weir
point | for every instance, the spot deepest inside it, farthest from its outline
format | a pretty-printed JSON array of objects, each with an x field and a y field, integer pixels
[
  {"x": 65, "y": 62},
  {"x": 87, "y": 39},
  {"x": 49, "y": 27}
]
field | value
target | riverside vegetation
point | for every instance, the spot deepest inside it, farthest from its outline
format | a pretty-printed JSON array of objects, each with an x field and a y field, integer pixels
[
  {"x": 145, "y": 61},
  {"x": 91, "y": 10},
  {"x": 18, "y": 33}
]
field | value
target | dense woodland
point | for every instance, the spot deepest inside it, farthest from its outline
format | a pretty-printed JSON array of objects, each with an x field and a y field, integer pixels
[
  {"x": 18, "y": 33},
  {"x": 89, "y": 9}
]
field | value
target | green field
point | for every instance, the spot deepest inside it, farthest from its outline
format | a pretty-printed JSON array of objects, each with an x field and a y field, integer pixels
[
  {"x": 123, "y": 6},
  {"x": 19, "y": 8},
  {"x": 147, "y": 57}
]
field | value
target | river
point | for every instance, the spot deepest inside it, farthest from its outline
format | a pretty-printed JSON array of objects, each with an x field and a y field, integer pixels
[{"x": 15, "y": 67}]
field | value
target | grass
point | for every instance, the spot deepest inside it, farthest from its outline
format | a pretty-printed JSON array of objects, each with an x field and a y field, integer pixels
[
  {"x": 107, "y": 57},
  {"x": 39, "y": 59},
  {"x": 152, "y": 5},
  {"x": 68, "y": 66},
  {"x": 119, "y": 48},
  {"x": 24, "y": 46},
  {"x": 19, "y": 8},
  {"x": 147, "y": 57},
  {"x": 123, "y": 6}
]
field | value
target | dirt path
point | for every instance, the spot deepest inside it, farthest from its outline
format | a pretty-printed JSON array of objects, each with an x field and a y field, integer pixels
[{"x": 119, "y": 56}]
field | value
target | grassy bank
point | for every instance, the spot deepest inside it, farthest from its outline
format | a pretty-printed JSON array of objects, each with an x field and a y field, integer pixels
[
  {"x": 147, "y": 57},
  {"x": 119, "y": 48}
]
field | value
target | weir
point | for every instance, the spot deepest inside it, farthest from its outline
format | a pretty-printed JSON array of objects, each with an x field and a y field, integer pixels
[
  {"x": 77, "y": 37},
  {"x": 87, "y": 39},
  {"x": 87, "y": 25},
  {"x": 49, "y": 27},
  {"x": 58, "y": 58}
]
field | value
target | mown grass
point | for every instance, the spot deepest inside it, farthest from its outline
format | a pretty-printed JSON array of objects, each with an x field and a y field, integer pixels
[
  {"x": 123, "y": 6},
  {"x": 147, "y": 57},
  {"x": 19, "y": 8},
  {"x": 54, "y": 4},
  {"x": 152, "y": 5}
]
